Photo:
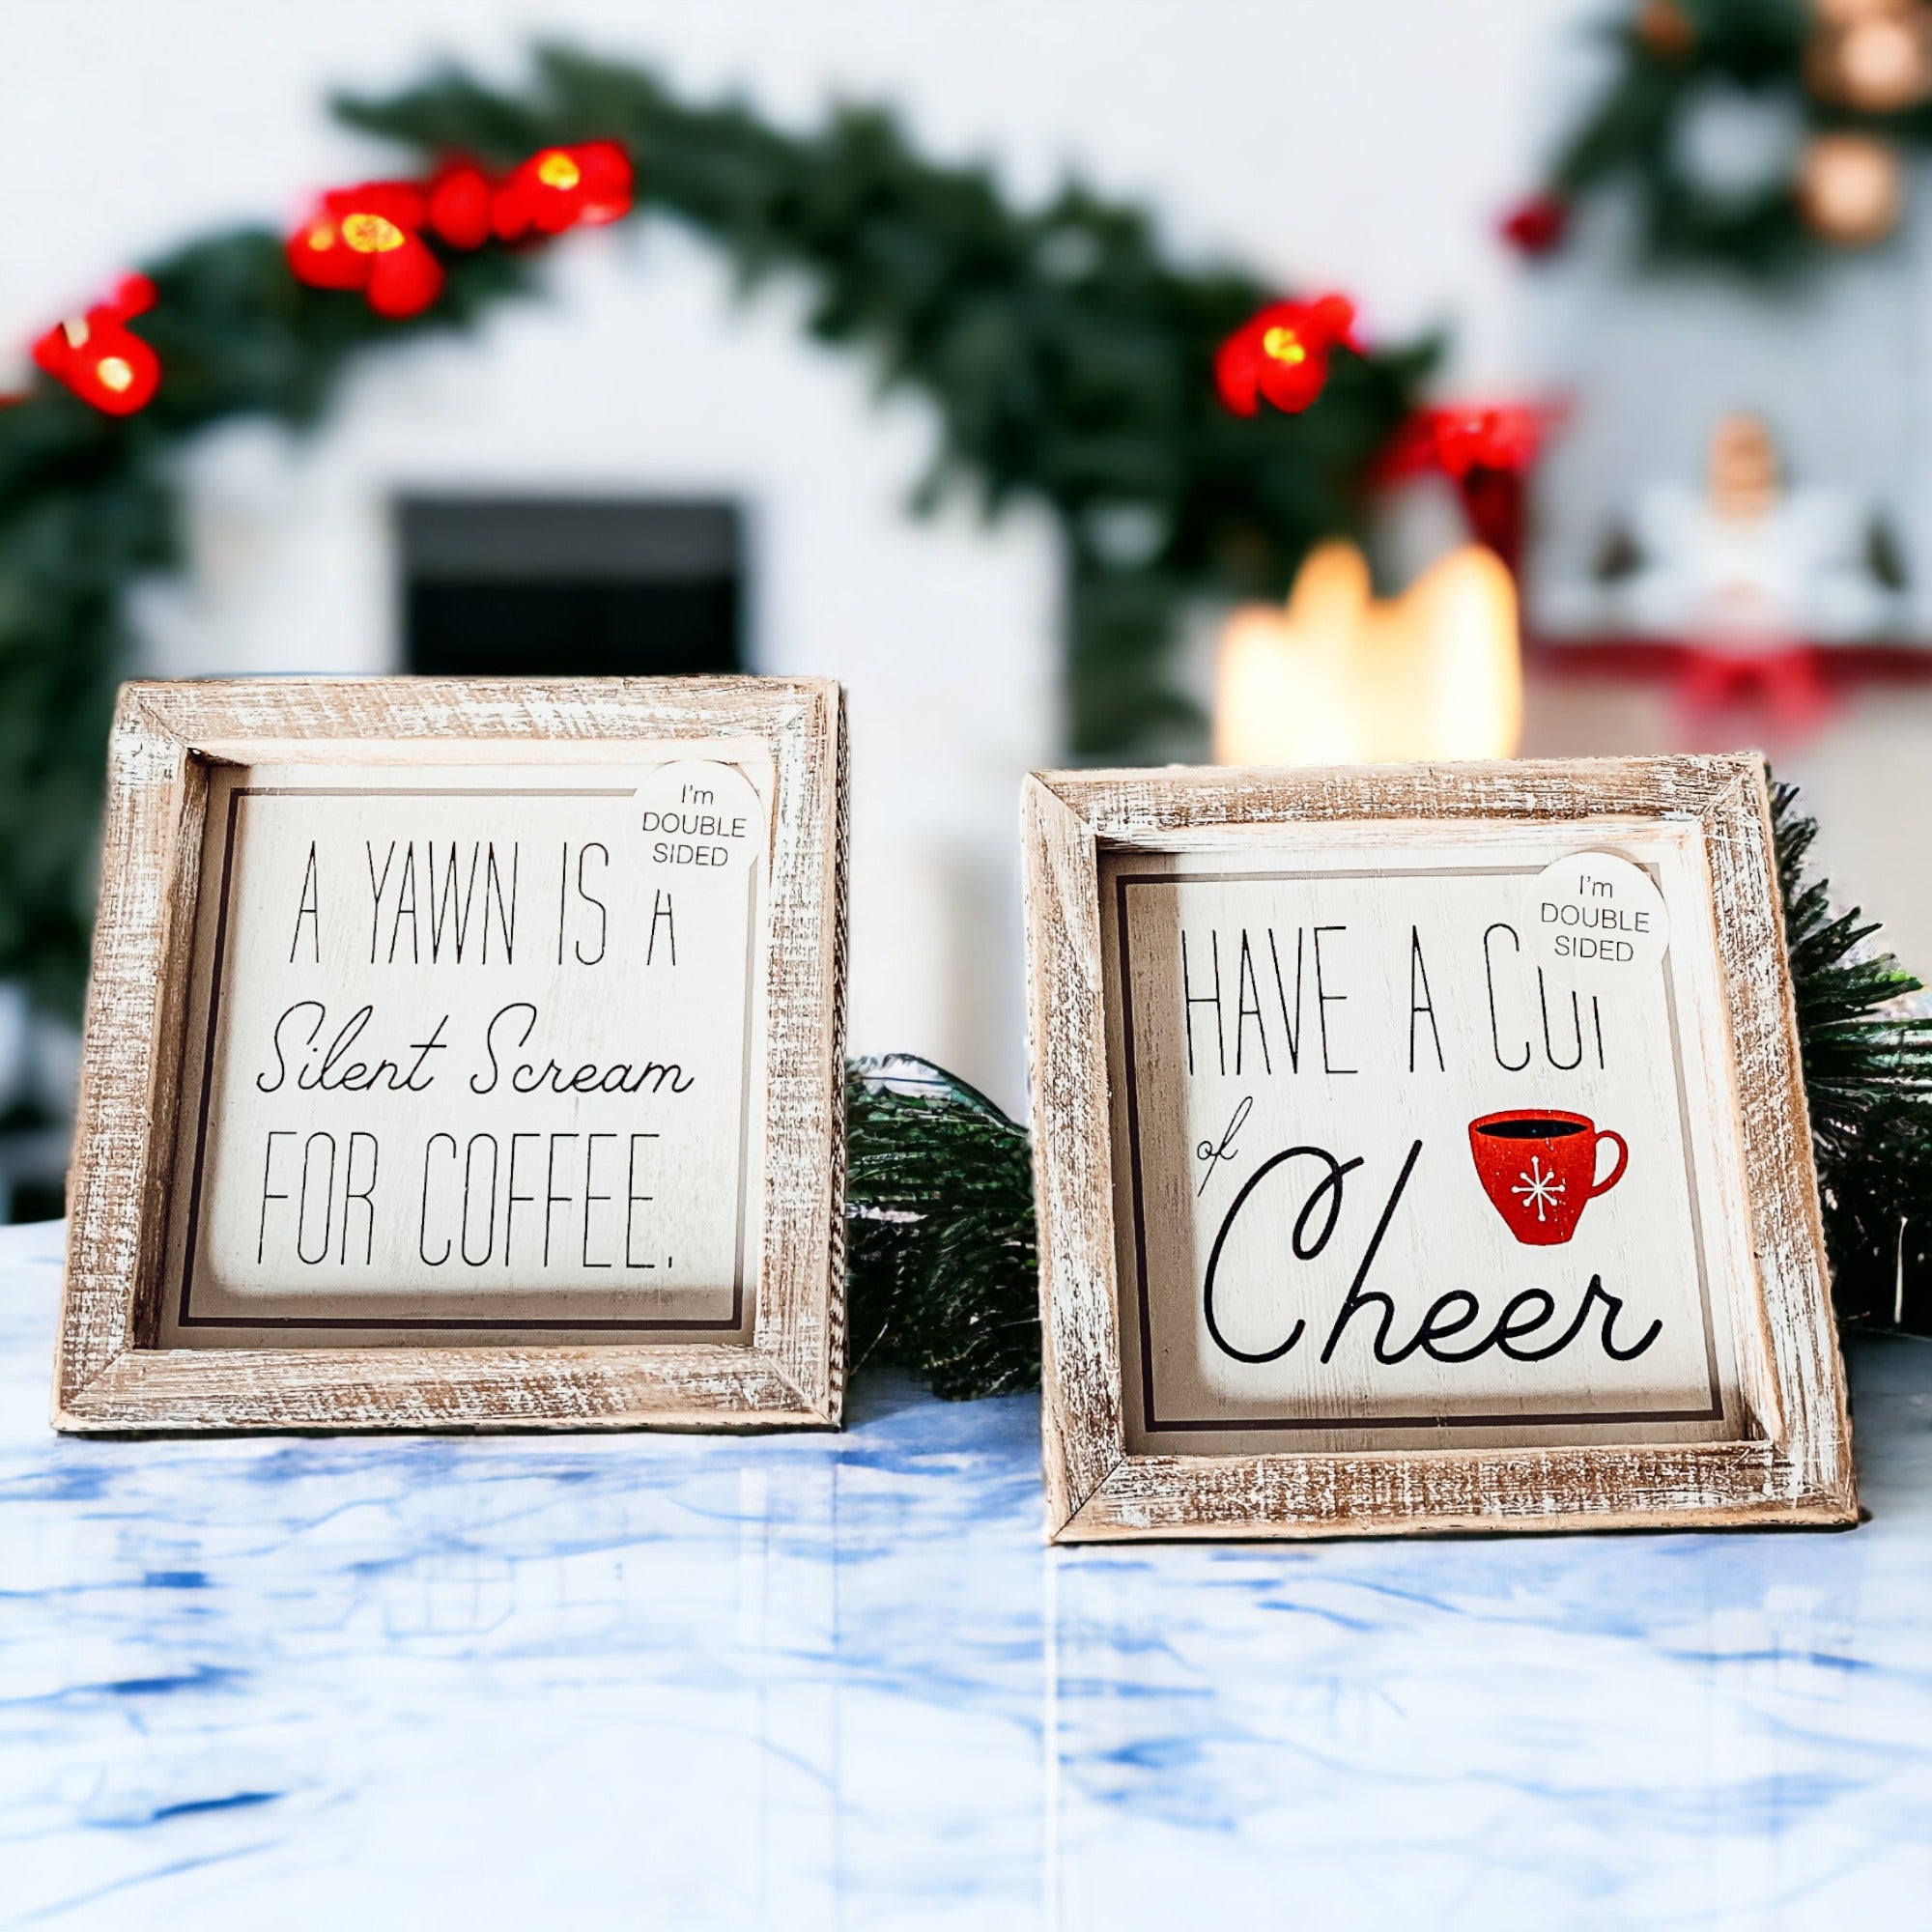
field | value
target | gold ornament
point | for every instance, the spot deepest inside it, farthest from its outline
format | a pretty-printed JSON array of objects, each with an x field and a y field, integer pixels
[
  {"x": 1834, "y": 15},
  {"x": 1664, "y": 28},
  {"x": 1851, "y": 190},
  {"x": 1886, "y": 62},
  {"x": 1872, "y": 56}
]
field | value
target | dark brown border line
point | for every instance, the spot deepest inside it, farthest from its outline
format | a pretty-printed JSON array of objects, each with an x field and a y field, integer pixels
[
  {"x": 751, "y": 880},
  {"x": 487, "y": 1325},
  {"x": 1691, "y": 1176},
  {"x": 438, "y": 791},
  {"x": 1149, "y": 1424},
  {"x": 183, "y": 1319},
  {"x": 1122, "y": 881}
]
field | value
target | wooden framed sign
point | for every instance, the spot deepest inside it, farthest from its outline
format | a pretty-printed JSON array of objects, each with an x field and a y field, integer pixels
[
  {"x": 464, "y": 1055},
  {"x": 1423, "y": 1148}
]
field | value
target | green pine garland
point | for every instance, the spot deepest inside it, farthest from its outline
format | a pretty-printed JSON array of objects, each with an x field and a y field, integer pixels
[
  {"x": 1632, "y": 134},
  {"x": 943, "y": 1264},
  {"x": 1068, "y": 358}
]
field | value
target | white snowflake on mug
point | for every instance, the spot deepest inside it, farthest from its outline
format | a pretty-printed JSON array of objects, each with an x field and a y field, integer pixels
[{"x": 1539, "y": 1186}]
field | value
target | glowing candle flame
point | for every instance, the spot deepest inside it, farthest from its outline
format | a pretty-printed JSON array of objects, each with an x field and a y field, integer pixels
[{"x": 1341, "y": 678}]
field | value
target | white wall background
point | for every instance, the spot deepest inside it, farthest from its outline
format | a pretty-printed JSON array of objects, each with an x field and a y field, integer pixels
[{"x": 1362, "y": 144}]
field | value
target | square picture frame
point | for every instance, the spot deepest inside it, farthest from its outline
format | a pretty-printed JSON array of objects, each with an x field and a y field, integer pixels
[
  {"x": 1121, "y": 1243},
  {"x": 167, "y": 943}
]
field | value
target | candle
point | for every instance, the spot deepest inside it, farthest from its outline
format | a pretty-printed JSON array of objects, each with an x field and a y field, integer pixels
[{"x": 1338, "y": 677}]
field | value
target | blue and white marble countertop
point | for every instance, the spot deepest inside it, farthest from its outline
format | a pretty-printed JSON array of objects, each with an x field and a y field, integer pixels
[{"x": 837, "y": 1682}]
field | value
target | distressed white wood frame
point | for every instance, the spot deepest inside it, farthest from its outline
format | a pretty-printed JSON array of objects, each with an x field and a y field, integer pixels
[
  {"x": 1798, "y": 1470},
  {"x": 109, "y": 1379}
]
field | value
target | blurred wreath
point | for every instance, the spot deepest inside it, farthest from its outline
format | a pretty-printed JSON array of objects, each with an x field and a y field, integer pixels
[
  {"x": 1068, "y": 358},
  {"x": 1758, "y": 134}
]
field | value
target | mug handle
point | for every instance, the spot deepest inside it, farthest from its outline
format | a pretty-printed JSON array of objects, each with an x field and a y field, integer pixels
[{"x": 1616, "y": 1174}]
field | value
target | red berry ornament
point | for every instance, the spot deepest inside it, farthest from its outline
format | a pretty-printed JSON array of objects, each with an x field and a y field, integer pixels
[
  {"x": 564, "y": 187},
  {"x": 375, "y": 237},
  {"x": 1506, "y": 437},
  {"x": 100, "y": 358},
  {"x": 458, "y": 205},
  {"x": 1536, "y": 227},
  {"x": 1281, "y": 356},
  {"x": 404, "y": 279},
  {"x": 1463, "y": 438},
  {"x": 370, "y": 238},
  {"x": 1488, "y": 451}
]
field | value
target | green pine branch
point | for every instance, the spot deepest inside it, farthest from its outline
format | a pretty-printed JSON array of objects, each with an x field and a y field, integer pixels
[
  {"x": 1632, "y": 134},
  {"x": 1868, "y": 1082},
  {"x": 943, "y": 1277}
]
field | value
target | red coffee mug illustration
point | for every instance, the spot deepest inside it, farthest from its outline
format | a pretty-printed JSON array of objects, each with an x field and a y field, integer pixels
[{"x": 1539, "y": 1166}]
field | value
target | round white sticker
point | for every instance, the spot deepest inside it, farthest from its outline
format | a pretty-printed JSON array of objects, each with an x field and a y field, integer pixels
[
  {"x": 1595, "y": 919},
  {"x": 701, "y": 819}
]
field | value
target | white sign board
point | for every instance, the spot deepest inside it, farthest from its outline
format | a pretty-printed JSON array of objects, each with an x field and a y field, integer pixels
[
  {"x": 472, "y": 1050},
  {"x": 1383, "y": 1178},
  {"x": 1423, "y": 1146},
  {"x": 464, "y": 1054}
]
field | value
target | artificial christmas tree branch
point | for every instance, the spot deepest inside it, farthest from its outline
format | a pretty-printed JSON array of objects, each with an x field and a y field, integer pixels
[
  {"x": 1832, "y": 102},
  {"x": 1869, "y": 1082},
  {"x": 940, "y": 1232}
]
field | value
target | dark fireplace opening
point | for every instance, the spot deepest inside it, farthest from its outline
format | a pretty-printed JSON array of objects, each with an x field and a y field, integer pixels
[{"x": 506, "y": 587}]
